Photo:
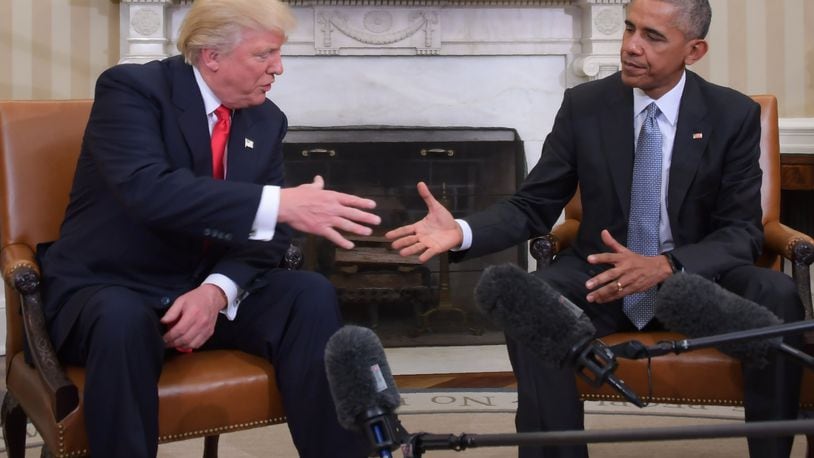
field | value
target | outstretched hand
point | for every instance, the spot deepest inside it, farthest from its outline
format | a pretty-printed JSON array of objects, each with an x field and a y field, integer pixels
[
  {"x": 631, "y": 272},
  {"x": 436, "y": 233},
  {"x": 312, "y": 209}
]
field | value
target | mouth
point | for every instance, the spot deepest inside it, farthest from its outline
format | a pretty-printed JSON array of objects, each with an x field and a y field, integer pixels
[{"x": 631, "y": 66}]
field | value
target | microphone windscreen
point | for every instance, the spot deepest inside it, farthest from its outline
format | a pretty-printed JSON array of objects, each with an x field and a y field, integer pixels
[
  {"x": 529, "y": 310},
  {"x": 694, "y": 306},
  {"x": 358, "y": 375}
]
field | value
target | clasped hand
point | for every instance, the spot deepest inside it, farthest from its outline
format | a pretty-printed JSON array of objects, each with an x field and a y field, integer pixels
[
  {"x": 191, "y": 319},
  {"x": 630, "y": 272}
]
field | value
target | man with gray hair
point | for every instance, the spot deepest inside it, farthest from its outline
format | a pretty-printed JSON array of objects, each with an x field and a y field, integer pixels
[
  {"x": 667, "y": 166},
  {"x": 175, "y": 229}
]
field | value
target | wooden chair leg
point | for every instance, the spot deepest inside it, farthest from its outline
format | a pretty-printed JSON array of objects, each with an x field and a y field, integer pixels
[
  {"x": 14, "y": 422},
  {"x": 809, "y": 446},
  {"x": 211, "y": 446}
]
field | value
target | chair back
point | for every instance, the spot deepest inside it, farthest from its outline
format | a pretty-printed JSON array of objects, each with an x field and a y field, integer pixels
[{"x": 39, "y": 146}]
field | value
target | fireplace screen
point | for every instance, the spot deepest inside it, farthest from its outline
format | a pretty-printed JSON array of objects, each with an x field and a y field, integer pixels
[{"x": 467, "y": 169}]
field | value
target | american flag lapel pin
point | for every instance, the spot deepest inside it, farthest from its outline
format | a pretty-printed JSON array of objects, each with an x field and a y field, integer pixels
[
  {"x": 249, "y": 143},
  {"x": 697, "y": 136}
]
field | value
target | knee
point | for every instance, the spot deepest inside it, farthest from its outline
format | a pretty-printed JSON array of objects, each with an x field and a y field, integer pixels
[
  {"x": 127, "y": 325},
  {"x": 315, "y": 299}
]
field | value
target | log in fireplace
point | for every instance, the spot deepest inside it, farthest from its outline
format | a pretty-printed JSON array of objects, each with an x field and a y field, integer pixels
[{"x": 466, "y": 168}]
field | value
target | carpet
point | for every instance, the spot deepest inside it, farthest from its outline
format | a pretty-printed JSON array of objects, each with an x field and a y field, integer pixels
[{"x": 489, "y": 411}]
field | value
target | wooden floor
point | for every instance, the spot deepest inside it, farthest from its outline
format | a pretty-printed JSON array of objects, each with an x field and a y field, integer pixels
[{"x": 464, "y": 381}]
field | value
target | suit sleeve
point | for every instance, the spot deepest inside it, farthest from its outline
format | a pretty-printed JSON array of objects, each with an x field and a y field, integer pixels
[{"x": 537, "y": 204}]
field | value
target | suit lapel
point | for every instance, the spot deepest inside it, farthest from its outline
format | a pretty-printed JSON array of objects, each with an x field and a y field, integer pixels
[
  {"x": 191, "y": 119},
  {"x": 242, "y": 157},
  {"x": 692, "y": 135},
  {"x": 617, "y": 141}
]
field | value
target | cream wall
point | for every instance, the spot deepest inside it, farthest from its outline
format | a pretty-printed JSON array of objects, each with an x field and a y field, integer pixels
[{"x": 55, "y": 49}]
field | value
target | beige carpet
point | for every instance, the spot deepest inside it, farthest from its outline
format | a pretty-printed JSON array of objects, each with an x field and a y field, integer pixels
[{"x": 491, "y": 412}]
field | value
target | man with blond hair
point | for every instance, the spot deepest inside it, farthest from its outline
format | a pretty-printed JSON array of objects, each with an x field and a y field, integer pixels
[{"x": 176, "y": 225}]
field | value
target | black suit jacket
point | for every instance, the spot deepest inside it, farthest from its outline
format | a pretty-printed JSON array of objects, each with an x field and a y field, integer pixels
[
  {"x": 144, "y": 212},
  {"x": 713, "y": 198}
]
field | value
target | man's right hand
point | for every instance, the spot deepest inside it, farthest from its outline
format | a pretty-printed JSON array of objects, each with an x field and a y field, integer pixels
[
  {"x": 312, "y": 209},
  {"x": 436, "y": 233}
]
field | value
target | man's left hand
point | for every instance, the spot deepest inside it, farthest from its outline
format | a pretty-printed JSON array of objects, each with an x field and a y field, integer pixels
[
  {"x": 191, "y": 319},
  {"x": 630, "y": 272}
]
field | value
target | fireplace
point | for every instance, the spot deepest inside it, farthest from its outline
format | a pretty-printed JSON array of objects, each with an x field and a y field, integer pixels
[
  {"x": 424, "y": 63},
  {"x": 467, "y": 169}
]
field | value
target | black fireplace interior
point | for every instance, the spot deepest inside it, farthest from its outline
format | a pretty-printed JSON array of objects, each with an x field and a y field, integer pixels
[{"x": 407, "y": 302}]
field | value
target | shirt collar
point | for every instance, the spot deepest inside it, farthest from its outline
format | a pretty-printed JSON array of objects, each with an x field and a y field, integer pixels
[
  {"x": 210, "y": 100},
  {"x": 668, "y": 103}
]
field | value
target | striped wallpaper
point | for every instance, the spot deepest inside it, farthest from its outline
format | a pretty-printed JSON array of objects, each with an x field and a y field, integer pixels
[{"x": 54, "y": 49}]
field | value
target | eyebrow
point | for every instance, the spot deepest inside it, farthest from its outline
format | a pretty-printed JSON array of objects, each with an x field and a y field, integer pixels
[{"x": 648, "y": 30}]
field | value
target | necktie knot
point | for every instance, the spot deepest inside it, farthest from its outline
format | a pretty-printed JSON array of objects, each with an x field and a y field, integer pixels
[
  {"x": 651, "y": 111},
  {"x": 220, "y": 135},
  {"x": 223, "y": 113}
]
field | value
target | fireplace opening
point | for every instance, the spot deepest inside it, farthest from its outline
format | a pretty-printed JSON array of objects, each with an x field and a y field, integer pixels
[{"x": 406, "y": 302}]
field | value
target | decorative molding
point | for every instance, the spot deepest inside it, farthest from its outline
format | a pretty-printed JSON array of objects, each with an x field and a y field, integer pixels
[
  {"x": 797, "y": 135},
  {"x": 147, "y": 31},
  {"x": 432, "y": 3},
  {"x": 357, "y": 29},
  {"x": 602, "y": 28}
]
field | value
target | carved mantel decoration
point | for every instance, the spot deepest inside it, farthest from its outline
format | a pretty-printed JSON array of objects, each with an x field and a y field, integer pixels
[{"x": 416, "y": 27}]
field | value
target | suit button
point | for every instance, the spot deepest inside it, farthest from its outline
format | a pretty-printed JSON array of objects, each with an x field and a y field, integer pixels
[
  {"x": 207, "y": 232},
  {"x": 165, "y": 300},
  {"x": 228, "y": 236}
]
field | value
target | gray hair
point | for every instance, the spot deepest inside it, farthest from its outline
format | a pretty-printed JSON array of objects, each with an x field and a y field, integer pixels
[
  {"x": 218, "y": 24},
  {"x": 694, "y": 17}
]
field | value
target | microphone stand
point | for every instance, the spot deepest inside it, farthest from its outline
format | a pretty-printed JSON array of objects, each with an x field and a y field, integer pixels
[
  {"x": 417, "y": 444},
  {"x": 636, "y": 350}
]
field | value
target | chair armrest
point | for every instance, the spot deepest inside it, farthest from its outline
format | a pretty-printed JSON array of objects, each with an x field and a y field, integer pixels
[
  {"x": 21, "y": 272},
  {"x": 293, "y": 258},
  {"x": 798, "y": 248},
  {"x": 545, "y": 247}
]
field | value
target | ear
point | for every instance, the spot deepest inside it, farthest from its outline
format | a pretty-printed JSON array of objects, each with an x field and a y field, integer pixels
[
  {"x": 698, "y": 48},
  {"x": 210, "y": 58}
]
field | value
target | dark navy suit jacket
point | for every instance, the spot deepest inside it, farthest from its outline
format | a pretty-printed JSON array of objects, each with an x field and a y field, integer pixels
[
  {"x": 144, "y": 212},
  {"x": 713, "y": 198}
]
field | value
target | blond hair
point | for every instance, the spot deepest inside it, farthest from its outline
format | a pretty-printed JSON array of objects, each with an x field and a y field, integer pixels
[{"x": 218, "y": 24}]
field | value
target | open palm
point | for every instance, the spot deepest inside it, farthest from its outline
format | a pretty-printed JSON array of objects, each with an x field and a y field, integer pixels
[{"x": 436, "y": 233}]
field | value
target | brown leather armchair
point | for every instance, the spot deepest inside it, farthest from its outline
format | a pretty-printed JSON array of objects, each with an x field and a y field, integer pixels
[
  {"x": 704, "y": 376},
  {"x": 200, "y": 393}
]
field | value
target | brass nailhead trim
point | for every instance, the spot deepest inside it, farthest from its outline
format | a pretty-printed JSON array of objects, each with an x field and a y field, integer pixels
[{"x": 175, "y": 437}]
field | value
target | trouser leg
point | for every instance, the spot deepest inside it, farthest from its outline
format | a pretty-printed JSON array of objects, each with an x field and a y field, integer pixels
[
  {"x": 289, "y": 322},
  {"x": 772, "y": 392},
  {"x": 117, "y": 337}
]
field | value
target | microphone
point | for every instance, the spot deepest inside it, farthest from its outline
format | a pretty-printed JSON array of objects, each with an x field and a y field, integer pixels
[
  {"x": 694, "y": 306},
  {"x": 362, "y": 387},
  {"x": 547, "y": 323}
]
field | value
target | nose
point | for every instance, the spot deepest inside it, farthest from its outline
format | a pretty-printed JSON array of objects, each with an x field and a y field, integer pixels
[
  {"x": 276, "y": 65},
  {"x": 631, "y": 45}
]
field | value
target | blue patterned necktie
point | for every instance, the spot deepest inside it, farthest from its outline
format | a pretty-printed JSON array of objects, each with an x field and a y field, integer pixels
[{"x": 645, "y": 202}]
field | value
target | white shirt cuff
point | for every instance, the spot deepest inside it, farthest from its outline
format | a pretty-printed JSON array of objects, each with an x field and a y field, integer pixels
[
  {"x": 467, "y": 232},
  {"x": 231, "y": 290},
  {"x": 265, "y": 221}
]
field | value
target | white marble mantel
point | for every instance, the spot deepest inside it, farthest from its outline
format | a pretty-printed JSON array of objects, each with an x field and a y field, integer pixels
[{"x": 492, "y": 63}]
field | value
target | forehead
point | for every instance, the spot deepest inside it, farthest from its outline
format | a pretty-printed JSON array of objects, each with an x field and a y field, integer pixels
[
  {"x": 656, "y": 14},
  {"x": 255, "y": 40}
]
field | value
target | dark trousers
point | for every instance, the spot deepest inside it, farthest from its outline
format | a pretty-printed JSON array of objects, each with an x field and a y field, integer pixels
[
  {"x": 117, "y": 337},
  {"x": 548, "y": 397}
]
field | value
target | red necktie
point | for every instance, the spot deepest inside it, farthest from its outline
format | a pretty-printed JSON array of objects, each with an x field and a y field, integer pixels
[{"x": 220, "y": 134}]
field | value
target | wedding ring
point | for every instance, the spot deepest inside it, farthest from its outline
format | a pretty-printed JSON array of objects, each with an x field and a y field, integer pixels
[{"x": 619, "y": 286}]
